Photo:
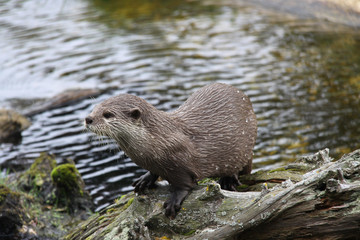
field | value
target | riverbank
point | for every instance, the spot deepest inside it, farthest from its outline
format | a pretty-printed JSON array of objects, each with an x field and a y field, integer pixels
[
  {"x": 345, "y": 12},
  {"x": 322, "y": 194},
  {"x": 49, "y": 201}
]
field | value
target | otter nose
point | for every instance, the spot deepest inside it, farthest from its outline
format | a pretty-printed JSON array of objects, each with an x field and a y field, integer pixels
[{"x": 88, "y": 120}]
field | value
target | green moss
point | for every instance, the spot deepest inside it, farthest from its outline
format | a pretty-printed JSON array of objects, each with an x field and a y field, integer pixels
[
  {"x": 31, "y": 200},
  {"x": 36, "y": 179},
  {"x": 242, "y": 187},
  {"x": 110, "y": 210},
  {"x": 128, "y": 203},
  {"x": 66, "y": 177},
  {"x": 4, "y": 192},
  {"x": 191, "y": 232},
  {"x": 282, "y": 169},
  {"x": 118, "y": 200},
  {"x": 42, "y": 165},
  {"x": 11, "y": 211},
  {"x": 207, "y": 180},
  {"x": 69, "y": 187},
  {"x": 278, "y": 170}
]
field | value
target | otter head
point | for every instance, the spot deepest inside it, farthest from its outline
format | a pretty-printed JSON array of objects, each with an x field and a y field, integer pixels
[{"x": 119, "y": 118}]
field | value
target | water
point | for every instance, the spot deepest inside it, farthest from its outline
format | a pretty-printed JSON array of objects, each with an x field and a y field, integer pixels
[{"x": 303, "y": 76}]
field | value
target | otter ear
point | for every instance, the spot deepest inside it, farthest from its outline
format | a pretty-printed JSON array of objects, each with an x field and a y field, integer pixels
[{"x": 135, "y": 113}]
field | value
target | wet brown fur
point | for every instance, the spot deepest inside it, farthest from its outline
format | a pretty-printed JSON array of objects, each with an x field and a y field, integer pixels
[{"x": 211, "y": 135}]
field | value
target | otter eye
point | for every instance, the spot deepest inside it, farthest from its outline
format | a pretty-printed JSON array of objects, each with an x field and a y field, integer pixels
[{"x": 108, "y": 115}]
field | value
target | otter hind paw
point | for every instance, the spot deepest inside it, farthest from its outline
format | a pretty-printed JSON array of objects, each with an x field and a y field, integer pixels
[
  {"x": 173, "y": 204},
  {"x": 145, "y": 181},
  {"x": 229, "y": 183}
]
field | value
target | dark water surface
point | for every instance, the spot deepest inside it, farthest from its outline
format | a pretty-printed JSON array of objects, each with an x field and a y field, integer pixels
[{"x": 303, "y": 76}]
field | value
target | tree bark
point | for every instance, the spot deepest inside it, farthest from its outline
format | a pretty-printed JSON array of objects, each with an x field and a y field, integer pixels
[{"x": 323, "y": 203}]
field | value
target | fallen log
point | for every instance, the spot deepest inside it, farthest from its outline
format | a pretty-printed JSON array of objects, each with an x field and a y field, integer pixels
[{"x": 313, "y": 198}]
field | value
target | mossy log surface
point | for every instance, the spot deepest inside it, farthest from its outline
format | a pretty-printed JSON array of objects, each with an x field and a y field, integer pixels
[{"x": 313, "y": 198}]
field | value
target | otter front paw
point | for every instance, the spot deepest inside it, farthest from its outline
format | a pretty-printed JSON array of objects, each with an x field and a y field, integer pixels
[
  {"x": 173, "y": 204},
  {"x": 145, "y": 181}
]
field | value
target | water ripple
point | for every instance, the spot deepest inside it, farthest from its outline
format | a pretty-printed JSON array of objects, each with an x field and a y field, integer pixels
[{"x": 285, "y": 71}]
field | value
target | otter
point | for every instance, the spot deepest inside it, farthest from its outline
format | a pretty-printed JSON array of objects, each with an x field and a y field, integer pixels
[{"x": 212, "y": 134}]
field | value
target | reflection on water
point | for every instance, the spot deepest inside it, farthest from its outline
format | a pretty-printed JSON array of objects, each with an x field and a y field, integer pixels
[
  {"x": 303, "y": 77},
  {"x": 128, "y": 13}
]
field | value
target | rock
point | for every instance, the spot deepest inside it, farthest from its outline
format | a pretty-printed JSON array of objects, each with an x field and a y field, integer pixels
[
  {"x": 63, "y": 99},
  {"x": 11, "y": 126},
  {"x": 37, "y": 181},
  {"x": 70, "y": 188},
  {"x": 338, "y": 11},
  {"x": 11, "y": 213},
  {"x": 36, "y": 207},
  {"x": 61, "y": 185}
]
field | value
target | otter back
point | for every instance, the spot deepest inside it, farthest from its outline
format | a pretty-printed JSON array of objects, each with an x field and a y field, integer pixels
[{"x": 223, "y": 128}]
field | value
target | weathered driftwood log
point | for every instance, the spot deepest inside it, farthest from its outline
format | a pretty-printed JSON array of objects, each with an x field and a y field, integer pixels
[{"x": 323, "y": 203}]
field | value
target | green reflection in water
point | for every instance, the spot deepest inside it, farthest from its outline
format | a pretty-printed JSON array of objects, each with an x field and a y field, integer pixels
[
  {"x": 127, "y": 12},
  {"x": 327, "y": 69}
]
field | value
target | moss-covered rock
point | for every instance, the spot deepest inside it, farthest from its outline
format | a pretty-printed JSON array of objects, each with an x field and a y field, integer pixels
[
  {"x": 37, "y": 180},
  {"x": 70, "y": 188},
  {"x": 11, "y": 213},
  {"x": 29, "y": 209},
  {"x": 11, "y": 126},
  {"x": 67, "y": 178},
  {"x": 61, "y": 185}
]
